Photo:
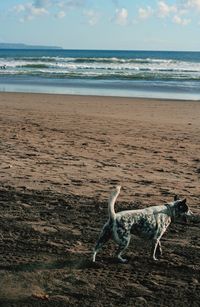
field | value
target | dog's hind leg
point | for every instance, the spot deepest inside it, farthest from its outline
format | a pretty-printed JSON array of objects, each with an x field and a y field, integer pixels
[
  {"x": 122, "y": 246},
  {"x": 105, "y": 235}
]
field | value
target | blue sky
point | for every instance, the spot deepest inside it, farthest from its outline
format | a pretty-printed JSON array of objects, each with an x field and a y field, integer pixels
[{"x": 102, "y": 24}]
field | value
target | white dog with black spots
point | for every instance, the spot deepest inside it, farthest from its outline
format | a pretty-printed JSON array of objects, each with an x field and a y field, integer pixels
[{"x": 150, "y": 223}]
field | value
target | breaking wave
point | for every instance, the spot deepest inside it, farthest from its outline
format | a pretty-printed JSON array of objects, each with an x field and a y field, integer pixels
[{"x": 102, "y": 68}]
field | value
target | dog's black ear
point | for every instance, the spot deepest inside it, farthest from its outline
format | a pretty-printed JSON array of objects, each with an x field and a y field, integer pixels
[
  {"x": 184, "y": 201},
  {"x": 176, "y": 197},
  {"x": 183, "y": 206}
]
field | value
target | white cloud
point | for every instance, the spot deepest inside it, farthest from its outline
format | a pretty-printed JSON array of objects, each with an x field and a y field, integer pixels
[
  {"x": 19, "y": 8},
  {"x": 145, "y": 13},
  {"x": 29, "y": 11},
  {"x": 60, "y": 15},
  {"x": 121, "y": 16},
  {"x": 165, "y": 10},
  {"x": 181, "y": 21},
  {"x": 193, "y": 4},
  {"x": 174, "y": 12},
  {"x": 92, "y": 17},
  {"x": 36, "y": 11}
]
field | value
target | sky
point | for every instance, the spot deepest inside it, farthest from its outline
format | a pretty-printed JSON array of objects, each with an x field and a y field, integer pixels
[{"x": 102, "y": 24}]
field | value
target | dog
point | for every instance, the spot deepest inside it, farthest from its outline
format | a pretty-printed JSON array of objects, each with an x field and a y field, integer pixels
[{"x": 150, "y": 223}]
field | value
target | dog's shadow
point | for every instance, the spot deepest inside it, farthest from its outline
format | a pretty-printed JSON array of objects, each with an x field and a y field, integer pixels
[{"x": 84, "y": 262}]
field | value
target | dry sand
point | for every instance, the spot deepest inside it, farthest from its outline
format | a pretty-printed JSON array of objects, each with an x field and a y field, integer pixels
[{"x": 59, "y": 157}]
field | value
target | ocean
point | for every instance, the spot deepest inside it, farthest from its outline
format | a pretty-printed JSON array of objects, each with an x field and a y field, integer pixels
[{"x": 151, "y": 74}]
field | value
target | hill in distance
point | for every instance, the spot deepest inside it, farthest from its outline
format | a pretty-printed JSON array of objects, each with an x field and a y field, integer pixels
[{"x": 24, "y": 46}]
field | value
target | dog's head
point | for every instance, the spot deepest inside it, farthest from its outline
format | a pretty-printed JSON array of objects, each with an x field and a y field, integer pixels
[{"x": 181, "y": 207}]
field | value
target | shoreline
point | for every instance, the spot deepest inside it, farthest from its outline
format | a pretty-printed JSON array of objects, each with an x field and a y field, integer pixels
[
  {"x": 105, "y": 88},
  {"x": 102, "y": 96}
]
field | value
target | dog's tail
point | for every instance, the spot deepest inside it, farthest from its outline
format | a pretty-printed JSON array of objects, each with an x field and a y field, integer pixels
[{"x": 111, "y": 202}]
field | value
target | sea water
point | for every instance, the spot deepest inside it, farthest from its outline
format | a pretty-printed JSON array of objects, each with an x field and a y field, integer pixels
[{"x": 151, "y": 74}]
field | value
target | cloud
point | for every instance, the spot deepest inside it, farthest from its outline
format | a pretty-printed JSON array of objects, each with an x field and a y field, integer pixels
[
  {"x": 121, "y": 16},
  {"x": 29, "y": 11},
  {"x": 165, "y": 10},
  {"x": 162, "y": 10},
  {"x": 193, "y": 4},
  {"x": 36, "y": 11},
  {"x": 173, "y": 12},
  {"x": 60, "y": 15},
  {"x": 19, "y": 8},
  {"x": 145, "y": 13},
  {"x": 92, "y": 17},
  {"x": 181, "y": 21}
]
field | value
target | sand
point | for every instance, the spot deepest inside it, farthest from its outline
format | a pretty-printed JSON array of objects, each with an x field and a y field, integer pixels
[{"x": 60, "y": 155}]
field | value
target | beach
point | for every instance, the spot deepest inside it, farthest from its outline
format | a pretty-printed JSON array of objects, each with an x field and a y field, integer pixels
[{"x": 60, "y": 157}]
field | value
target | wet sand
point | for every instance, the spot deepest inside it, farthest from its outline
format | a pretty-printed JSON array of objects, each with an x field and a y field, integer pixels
[{"x": 60, "y": 155}]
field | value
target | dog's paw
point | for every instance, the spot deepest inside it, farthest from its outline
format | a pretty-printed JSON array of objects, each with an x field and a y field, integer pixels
[{"x": 122, "y": 260}]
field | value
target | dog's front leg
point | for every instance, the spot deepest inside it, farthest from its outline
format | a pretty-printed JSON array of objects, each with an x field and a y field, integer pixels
[
  {"x": 163, "y": 222},
  {"x": 159, "y": 249},
  {"x": 156, "y": 243}
]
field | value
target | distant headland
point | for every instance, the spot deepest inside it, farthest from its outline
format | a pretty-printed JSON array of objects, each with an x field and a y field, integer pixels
[{"x": 25, "y": 46}]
